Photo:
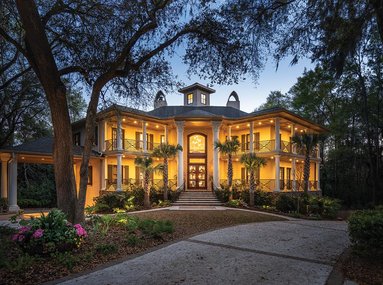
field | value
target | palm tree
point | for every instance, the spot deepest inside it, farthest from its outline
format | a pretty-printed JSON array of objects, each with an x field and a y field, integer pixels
[
  {"x": 307, "y": 143},
  {"x": 146, "y": 164},
  {"x": 166, "y": 151},
  {"x": 252, "y": 163},
  {"x": 229, "y": 147}
]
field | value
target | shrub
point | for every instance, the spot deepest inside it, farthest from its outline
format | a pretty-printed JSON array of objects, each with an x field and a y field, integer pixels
[
  {"x": 285, "y": 203},
  {"x": 263, "y": 198},
  {"x": 132, "y": 240},
  {"x": 33, "y": 203},
  {"x": 3, "y": 205},
  {"x": 222, "y": 194},
  {"x": 155, "y": 229},
  {"x": 106, "y": 248},
  {"x": 366, "y": 232},
  {"x": 50, "y": 233},
  {"x": 331, "y": 207}
]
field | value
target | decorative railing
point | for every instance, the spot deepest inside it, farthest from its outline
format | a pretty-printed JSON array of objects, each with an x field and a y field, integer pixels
[
  {"x": 131, "y": 145},
  {"x": 269, "y": 184},
  {"x": 129, "y": 184}
]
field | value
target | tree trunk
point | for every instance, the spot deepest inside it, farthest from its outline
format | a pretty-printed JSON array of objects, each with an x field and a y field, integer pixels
[
  {"x": 252, "y": 187},
  {"x": 165, "y": 178},
  {"x": 41, "y": 59},
  {"x": 146, "y": 190},
  {"x": 230, "y": 175}
]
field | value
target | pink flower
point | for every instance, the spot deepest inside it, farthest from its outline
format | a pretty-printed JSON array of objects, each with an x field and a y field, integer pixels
[
  {"x": 24, "y": 229},
  {"x": 21, "y": 237},
  {"x": 38, "y": 233},
  {"x": 81, "y": 232},
  {"x": 15, "y": 237}
]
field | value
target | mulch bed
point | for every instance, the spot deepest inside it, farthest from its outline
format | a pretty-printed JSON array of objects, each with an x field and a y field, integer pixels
[
  {"x": 363, "y": 270},
  {"x": 100, "y": 249}
]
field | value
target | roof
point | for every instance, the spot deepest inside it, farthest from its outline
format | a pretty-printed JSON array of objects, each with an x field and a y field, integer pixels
[
  {"x": 197, "y": 111},
  {"x": 197, "y": 86},
  {"x": 41, "y": 146}
]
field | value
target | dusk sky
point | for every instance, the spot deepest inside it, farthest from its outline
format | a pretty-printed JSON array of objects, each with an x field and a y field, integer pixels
[{"x": 251, "y": 94}]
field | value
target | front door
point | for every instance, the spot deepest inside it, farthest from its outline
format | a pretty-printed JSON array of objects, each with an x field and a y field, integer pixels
[
  {"x": 197, "y": 157},
  {"x": 197, "y": 176}
]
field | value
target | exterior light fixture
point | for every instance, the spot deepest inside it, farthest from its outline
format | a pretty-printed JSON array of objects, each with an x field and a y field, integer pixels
[
  {"x": 237, "y": 127},
  {"x": 260, "y": 123},
  {"x": 157, "y": 126},
  {"x": 248, "y": 125},
  {"x": 271, "y": 121},
  {"x": 135, "y": 122},
  {"x": 123, "y": 119},
  {"x": 272, "y": 157},
  {"x": 146, "y": 124},
  {"x": 43, "y": 158},
  {"x": 289, "y": 126},
  {"x": 22, "y": 157},
  {"x": 296, "y": 129},
  {"x": 301, "y": 131}
]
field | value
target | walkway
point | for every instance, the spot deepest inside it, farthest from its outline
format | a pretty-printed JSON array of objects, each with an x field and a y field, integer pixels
[{"x": 287, "y": 252}]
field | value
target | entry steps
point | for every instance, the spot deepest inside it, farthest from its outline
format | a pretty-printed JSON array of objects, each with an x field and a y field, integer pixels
[{"x": 197, "y": 198}]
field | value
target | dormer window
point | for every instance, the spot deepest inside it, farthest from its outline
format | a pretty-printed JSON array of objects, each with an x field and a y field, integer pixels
[
  {"x": 190, "y": 98},
  {"x": 77, "y": 139},
  {"x": 203, "y": 99}
]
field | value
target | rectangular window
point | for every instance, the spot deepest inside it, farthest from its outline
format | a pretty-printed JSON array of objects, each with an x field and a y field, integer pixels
[
  {"x": 203, "y": 99},
  {"x": 288, "y": 178},
  {"x": 256, "y": 141},
  {"x": 162, "y": 139},
  {"x": 114, "y": 138},
  {"x": 282, "y": 177},
  {"x": 90, "y": 175},
  {"x": 77, "y": 139},
  {"x": 190, "y": 98}
]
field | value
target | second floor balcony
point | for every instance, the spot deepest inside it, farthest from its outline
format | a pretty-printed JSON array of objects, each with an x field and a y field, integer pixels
[
  {"x": 131, "y": 145},
  {"x": 269, "y": 146}
]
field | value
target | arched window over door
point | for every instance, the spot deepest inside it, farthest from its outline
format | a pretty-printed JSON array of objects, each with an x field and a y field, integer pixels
[{"x": 197, "y": 156}]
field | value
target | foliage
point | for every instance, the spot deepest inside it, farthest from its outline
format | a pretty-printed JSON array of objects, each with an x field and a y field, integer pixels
[
  {"x": 285, "y": 203},
  {"x": 236, "y": 203},
  {"x": 49, "y": 233},
  {"x": 155, "y": 229},
  {"x": 222, "y": 194},
  {"x": 106, "y": 248},
  {"x": 325, "y": 207},
  {"x": 4, "y": 204},
  {"x": 366, "y": 232}
]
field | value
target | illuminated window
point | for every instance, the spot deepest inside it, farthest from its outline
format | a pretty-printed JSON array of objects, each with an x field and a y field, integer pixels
[
  {"x": 203, "y": 99},
  {"x": 197, "y": 144},
  {"x": 190, "y": 98},
  {"x": 90, "y": 175}
]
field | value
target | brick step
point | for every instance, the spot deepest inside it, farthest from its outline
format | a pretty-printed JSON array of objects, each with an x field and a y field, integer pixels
[{"x": 196, "y": 204}]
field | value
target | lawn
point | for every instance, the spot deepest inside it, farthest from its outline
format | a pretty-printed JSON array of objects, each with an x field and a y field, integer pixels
[{"x": 114, "y": 242}]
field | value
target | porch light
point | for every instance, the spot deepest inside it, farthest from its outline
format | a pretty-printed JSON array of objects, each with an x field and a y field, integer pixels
[
  {"x": 43, "y": 158},
  {"x": 289, "y": 126},
  {"x": 123, "y": 119},
  {"x": 301, "y": 131},
  {"x": 271, "y": 121},
  {"x": 146, "y": 124},
  {"x": 237, "y": 127},
  {"x": 290, "y": 159},
  {"x": 236, "y": 159},
  {"x": 272, "y": 157},
  {"x": 157, "y": 126},
  {"x": 123, "y": 155},
  {"x": 135, "y": 122},
  {"x": 296, "y": 129},
  {"x": 259, "y": 123},
  {"x": 248, "y": 125},
  {"x": 22, "y": 157}
]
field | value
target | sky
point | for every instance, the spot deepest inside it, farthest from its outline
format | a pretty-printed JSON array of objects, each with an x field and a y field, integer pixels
[{"x": 251, "y": 94}]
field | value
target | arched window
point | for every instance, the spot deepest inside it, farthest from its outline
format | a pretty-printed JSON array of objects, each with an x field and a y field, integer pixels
[{"x": 197, "y": 144}]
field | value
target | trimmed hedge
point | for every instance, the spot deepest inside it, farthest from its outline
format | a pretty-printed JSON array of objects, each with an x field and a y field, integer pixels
[{"x": 366, "y": 232}]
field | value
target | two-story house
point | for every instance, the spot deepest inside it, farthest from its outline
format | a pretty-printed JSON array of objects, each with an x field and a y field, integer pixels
[{"x": 124, "y": 133}]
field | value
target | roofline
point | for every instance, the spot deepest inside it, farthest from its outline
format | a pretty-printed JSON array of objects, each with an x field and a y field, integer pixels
[
  {"x": 195, "y": 86},
  {"x": 39, "y": 153}
]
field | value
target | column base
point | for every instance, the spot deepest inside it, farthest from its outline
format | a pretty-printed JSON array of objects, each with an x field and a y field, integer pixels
[{"x": 13, "y": 209}]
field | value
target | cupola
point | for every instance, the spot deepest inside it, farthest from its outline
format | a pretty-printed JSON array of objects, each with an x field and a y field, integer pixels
[
  {"x": 160, "y": 100},
  {"x": 233, "y": 100},
  {"x": 196, "y": 95}
]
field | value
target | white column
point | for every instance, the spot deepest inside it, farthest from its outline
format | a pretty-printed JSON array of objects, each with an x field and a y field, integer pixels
[
  {"x": 4, "y": 175},
  {"x": 166, "y": 133},
  {"x": 293, "y": 173},
  {"x": 277, "y": 136},
  {"x": 103, "y": 170},
  {"x": 119, "y": 154},
  {"x": 12, "y": 199},
  {"x": 251, "y": 146},
  {"x": 144, "y": 140},
  {"x": 229, "y": 134},
  {"x": 277, "y": 174},
  {"x": 292, "y": 134},
  {"x": 215, "y": 125},
  {"x": 180, "y": 140}
]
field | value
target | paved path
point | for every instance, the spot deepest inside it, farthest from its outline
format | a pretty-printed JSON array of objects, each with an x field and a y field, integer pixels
[{"x": 287, "y": 252}]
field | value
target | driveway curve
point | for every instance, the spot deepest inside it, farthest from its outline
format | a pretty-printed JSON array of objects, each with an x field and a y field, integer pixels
[{"x": 284, "y": 252}]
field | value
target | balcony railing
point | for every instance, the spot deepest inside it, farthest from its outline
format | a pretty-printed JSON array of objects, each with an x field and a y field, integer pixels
[
  {"x": 129, "y": 184},
  {"x": 269, "y": 146},
  {"x": 269, "y": 184},
  {"x": 131, "y": 145}
]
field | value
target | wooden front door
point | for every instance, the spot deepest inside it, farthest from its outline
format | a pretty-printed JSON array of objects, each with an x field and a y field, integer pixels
[
  {"x": 197, "y": 158},
  {"x": 196, "y": 176}
]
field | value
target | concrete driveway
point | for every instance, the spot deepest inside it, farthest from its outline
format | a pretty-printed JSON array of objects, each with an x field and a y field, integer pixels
[{"x": 286, "y": 252}]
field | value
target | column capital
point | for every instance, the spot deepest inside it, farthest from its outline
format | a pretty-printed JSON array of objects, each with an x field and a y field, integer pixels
[
  {"x": 5, "y": 157},
  {"x": 180, "y": 124},
  {"x": 216, "y": 125}
]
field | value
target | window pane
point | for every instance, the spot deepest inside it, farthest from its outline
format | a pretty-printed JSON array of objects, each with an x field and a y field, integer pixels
[
  {"x": 197, "y": 160},
  {"x": 197, "y": 144}
]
